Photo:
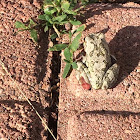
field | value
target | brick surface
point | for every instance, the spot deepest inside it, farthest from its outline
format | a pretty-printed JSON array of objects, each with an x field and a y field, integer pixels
[{"x": 112, "y": 113}]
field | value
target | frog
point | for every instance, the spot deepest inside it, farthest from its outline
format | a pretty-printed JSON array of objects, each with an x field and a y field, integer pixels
[{"x": 98, "y": 68}]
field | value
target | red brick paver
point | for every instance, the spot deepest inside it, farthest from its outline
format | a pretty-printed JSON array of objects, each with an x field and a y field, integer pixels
[{"x": 113, "y": 113}]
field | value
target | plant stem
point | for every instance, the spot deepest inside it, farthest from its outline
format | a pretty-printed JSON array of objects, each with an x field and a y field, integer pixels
[{"x": 56, "y": 30}]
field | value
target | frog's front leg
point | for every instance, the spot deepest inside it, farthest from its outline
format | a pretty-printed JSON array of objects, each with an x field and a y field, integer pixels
[
  {"x": 110, "y": 76},
  {"x": 83, "y": 75}
]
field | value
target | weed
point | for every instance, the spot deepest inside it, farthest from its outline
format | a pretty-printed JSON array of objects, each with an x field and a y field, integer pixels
[
  {"x": 30, "y": 27},
  {"x": 58, "y": 13}
]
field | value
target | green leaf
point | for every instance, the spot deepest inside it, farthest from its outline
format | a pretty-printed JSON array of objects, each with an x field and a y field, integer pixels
[
  {"x": 75, "y": 43},
  {"x": 66, "y": 61},
  {"x": 32, "y": 22},
  {"x": 81, "y": 28},
  {"x": 70, "y": 12},
  {"x": 74, "y": 65},
  {"x": 46, "y": 28},
  {"x": 58, "y": 47},
  {"x": 53, "y": 36},
  {"x": 19, "y": 24},
  {"x": 41, "y": 17},
  {"x": 49, "y": 10},
  {"x": 53, "y": 10},
  {"x": 66, "y": 70},
  {"x": 60, "y": 18},
  {"x": 67, "y": 54},
  {"x": 34, "y": 35},
  {"x": 70, "y": 35},
  {"x": 75, "y": 22},
  {"x": 58, "y": 0},
  {"x": 47, "y": 2},
  {"x": 63, "y": 22},
  {"x": 65, "y": 5},
  {"x": 47, "y": 17}
]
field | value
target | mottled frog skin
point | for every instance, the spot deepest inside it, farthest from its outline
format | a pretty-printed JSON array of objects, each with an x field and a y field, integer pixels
[{"x": 97, "y": 68}]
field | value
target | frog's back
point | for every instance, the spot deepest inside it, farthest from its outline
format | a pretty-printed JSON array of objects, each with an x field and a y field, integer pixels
[{"x": 98, "y": 59}]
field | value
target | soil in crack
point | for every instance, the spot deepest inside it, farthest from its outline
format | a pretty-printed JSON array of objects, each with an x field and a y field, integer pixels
[{"x": 55, "y": 80}]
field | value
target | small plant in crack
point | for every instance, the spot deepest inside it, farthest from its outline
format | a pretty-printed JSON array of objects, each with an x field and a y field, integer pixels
[
  {"x": 58, "y": 14},
  {"x": 30, "y": 27},
  {"x": 69, "y": 49}
]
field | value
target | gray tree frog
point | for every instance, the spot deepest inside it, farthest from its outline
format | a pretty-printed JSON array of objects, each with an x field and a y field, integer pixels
[{"x": 97, "y": 69}]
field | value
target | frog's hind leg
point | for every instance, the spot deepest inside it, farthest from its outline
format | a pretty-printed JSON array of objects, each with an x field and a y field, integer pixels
[
  {"x": 82, "y": 71},
  {"x": 110, "y": 76},
  {"x": 82, "y": 75}
]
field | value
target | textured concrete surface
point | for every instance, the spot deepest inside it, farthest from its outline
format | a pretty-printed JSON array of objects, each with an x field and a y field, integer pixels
[
  {"x": 113, "y": 113},
  {"x": 30, "y": 67}
]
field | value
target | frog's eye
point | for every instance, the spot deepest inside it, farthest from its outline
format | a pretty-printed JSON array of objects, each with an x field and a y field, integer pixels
[{"x": 91, "y": 35}]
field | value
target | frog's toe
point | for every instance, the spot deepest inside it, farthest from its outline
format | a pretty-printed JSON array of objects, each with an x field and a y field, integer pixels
[{"x": 105, "y": 85}]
